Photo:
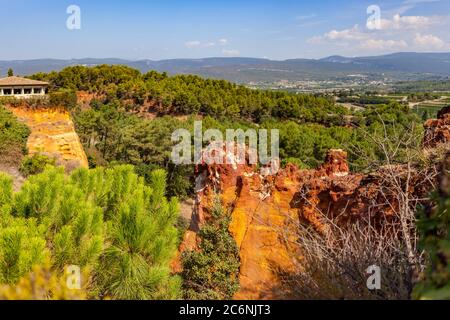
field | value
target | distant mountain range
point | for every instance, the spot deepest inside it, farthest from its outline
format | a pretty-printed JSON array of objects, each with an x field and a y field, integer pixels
[{"x": 397, "y": 66}]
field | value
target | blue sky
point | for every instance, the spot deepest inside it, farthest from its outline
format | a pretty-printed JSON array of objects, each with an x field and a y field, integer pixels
[{"x": 279, "y": 29}]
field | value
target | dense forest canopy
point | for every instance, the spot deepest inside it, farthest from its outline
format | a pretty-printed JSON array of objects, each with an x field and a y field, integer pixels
[{"x": 188, "y": 94}]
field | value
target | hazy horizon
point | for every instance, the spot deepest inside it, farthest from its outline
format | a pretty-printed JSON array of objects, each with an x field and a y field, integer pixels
[
  {"x": 219, "y": 57},
  {"x": 276, "y": 30}
]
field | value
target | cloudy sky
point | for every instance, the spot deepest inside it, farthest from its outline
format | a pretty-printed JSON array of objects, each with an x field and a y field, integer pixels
[{"x": 276, "y": 29}]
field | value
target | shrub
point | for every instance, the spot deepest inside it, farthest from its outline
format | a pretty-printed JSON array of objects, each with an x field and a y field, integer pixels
[
  {"x": 213, "y": 271},
  {"x": 107, "y": 221},
  {"x": 435, "y": 240},
  {"x": 63, "y": 98},
  {"x": 13, "y": 137},
  {"x": 35, "y": 164},
  {"x": 334, "y": 266}
]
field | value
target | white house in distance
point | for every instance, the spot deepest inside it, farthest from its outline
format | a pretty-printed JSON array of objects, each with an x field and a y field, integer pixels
[{"x": 22, "y": 87}]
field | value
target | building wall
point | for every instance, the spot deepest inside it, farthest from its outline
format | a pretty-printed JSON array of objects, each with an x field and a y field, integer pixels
[{"x": 22, "y": 90}]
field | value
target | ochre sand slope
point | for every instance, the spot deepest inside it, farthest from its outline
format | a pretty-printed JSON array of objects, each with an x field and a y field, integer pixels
[{"x": 53, "y": 134}]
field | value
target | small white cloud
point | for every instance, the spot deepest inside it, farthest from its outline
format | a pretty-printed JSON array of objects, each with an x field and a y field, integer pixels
[
  {"x": 408, "y": 22},
  {"x": 346, "y": 34},
  {"x": 231, "y": 52},
  {"x": 379, "y": 44},
  {"x": 428, "y": 41},
  {"x": 199, "y": 44},
  {"x": 193, "y": 44}
]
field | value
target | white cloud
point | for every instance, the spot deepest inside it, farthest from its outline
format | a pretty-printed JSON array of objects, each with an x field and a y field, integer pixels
[
  {"x": 198, "y": 44},
  {"x": 346, "y": 34},
  {"x": 193, "y": 44},
  {"x": 399, "y": 22},
  {"x": 231, "y": 52},
  {"x": 380, "y": 44},
  {"x": 396, "y": 34},
  {"x": 352, "y": 34},
  {"x": 428, "y": 41}
]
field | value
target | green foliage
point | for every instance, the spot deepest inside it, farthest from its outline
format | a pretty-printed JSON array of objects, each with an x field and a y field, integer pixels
[
  {"x": 6, "y": 196},
  {"x": 35, "y": 164},
  {"x": 309, "y": 125},
  {"x": 416, "y": 97},
  {"x": 106, "y": 220},
  {"x": 213, "y": 271},
  {"x": 113, "y": 136},
  {"x": 13, "y": 137},
  {"x": 63, "y": 98},
  {"x": 10, "y": 72},
  {"x": 89, "y": 79},
  {"x": 435, "y": 240},
  {"x": 382, "y": 129},
  {"x": 365, "y": 100},
  {"x": 187, "y": 94},
  {"x": 20, "y": 248},
  {"x": 143, "y": 240}
]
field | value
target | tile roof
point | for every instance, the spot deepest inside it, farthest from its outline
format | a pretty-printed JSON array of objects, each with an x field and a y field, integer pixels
[{"x": 18, "y": 81}]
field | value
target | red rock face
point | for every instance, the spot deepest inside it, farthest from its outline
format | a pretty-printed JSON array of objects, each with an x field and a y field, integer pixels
[
  {"x": 262, "y": 206},
  {"x": 437, "y": 131}
]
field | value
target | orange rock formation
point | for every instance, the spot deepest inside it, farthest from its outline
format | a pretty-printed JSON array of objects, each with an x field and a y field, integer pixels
[
  {"x": 262, "y": 206},
  {"x": 53, "y": 134}
]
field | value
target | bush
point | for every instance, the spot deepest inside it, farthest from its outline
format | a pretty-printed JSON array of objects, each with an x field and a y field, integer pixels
[
  {"x": 213, "y": 271},
  {"x": 435, "y": 240},
  {"x": 106, "y": 221},
  {"x": 13, "y": 137},
  {"x": 334, "y": 266},
  {"x": 35, "y": 164},
  {"x": 63, "y": 98}
]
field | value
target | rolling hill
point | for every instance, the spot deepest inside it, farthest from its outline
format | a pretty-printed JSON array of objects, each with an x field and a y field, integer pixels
[{"x": 397, "y": 66}]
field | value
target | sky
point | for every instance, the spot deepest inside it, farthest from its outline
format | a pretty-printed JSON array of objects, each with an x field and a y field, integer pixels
[{"x": 275, "y": 29}]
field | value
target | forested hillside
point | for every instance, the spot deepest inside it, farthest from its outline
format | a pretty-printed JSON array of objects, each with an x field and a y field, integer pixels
[
  {"x": 114, "y": 127},
  {"x": 120, "y": 220},
  {"x": 187, "y": 94}
]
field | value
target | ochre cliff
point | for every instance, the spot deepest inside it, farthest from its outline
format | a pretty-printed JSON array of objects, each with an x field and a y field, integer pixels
[
  {"x": 262, "y": 206},
  {"x": 53, "y": 134}
]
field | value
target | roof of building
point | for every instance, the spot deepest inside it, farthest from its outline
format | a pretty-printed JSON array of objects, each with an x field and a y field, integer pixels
[{"x": 18, "y": 81}]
